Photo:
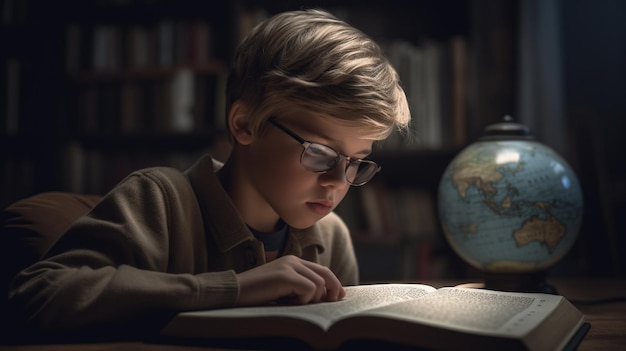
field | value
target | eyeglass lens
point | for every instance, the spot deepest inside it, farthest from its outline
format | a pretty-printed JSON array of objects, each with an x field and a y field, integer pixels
[{"x": 321, "y": 158}]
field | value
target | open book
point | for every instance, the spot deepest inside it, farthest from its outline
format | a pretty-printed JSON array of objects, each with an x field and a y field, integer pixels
[{"x": 402, "y": 314}]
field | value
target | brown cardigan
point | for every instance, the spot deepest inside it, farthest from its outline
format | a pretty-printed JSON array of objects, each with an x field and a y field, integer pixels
[{"x": 160, "y": 242}]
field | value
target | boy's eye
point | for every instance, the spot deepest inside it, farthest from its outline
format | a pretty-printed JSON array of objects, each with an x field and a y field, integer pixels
[
  {"x": 321, "y": 151},
  {"x": 319, "y": 158}
]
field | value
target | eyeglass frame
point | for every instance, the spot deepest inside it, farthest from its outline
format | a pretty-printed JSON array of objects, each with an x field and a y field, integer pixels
[{"x": 306, "y": 144}]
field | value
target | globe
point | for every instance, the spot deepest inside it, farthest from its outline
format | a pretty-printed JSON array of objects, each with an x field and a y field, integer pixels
[{"x": 511, "y": 207}]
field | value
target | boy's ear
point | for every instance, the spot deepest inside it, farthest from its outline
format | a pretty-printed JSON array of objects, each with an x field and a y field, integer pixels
[{"x": 238, "y": 123}]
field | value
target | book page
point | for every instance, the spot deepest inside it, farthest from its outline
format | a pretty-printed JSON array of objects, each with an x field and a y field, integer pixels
[
  {"x": 475, "y": 310},
  {"x": 358, "y": 299}
]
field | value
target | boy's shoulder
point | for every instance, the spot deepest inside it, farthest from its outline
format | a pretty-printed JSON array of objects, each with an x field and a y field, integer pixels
[
  {"x": 160, "y": 174},
  {"x": 332, "y": 227},
  {"x": 168, "y": 181},
  {"x": 205, "y": 165}
]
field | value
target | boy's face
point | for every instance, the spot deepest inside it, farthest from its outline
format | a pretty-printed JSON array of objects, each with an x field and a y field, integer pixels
[{"x": 298, "y": 196}]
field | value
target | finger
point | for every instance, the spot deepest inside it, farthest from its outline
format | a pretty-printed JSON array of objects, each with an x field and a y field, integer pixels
[
  {"x": 332, "y": 288},
  {"x": 303, "y": 290},
  {"x": 317, "y": 283},
  {"x": 342, "y": 293},
  {"x": 335, "y": 294}
]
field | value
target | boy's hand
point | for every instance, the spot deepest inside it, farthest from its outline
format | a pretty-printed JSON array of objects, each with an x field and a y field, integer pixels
[{"x": 288, "y": 277}]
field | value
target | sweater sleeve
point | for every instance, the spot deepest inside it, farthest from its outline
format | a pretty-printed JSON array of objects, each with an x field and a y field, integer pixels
[{"x": 140, "y": 251}]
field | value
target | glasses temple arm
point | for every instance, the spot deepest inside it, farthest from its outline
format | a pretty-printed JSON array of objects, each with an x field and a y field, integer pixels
[{"x": 284, "y": 129}]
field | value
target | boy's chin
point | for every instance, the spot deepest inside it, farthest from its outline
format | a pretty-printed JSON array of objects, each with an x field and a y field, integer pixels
[{"x": 303, "y": 223}]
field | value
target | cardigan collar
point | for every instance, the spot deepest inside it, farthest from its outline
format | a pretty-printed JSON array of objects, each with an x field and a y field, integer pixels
[{"x": 227, "y": 226}]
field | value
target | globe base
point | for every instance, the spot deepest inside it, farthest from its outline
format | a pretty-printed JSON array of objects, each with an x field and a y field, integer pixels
[{"x": 534, "y": 282}]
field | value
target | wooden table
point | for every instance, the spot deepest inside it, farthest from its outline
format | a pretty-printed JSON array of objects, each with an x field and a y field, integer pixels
[
  {"x": 607, "y": 318},
  {"x": 594, "y": 298}
]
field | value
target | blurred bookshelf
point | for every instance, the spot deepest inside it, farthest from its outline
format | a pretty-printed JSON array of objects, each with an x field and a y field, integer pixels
[{"x": 94, "y": 89}]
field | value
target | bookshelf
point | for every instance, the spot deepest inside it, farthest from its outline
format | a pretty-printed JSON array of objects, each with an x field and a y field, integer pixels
[{"x": 94, "y": 89}]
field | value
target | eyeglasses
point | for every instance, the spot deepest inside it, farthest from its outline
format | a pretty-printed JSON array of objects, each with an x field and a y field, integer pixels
[{"x": 320, "y": 158}]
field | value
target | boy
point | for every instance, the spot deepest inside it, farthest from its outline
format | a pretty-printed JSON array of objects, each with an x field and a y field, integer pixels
[{"x": 307, "y": 97}]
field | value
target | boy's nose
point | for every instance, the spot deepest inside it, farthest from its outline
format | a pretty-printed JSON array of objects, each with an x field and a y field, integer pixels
[{"x": 336, "y": 176}]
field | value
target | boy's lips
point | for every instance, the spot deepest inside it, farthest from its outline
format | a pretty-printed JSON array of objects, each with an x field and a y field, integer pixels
[{"x": 322, "y": 207}]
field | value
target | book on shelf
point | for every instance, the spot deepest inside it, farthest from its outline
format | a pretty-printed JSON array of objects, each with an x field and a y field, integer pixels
[
  {"x": 413, "y": 315},
  {"x": 165, "y": 42},
  {"x": 375, "y": 199},
  {"x": 458, "y": 90},
  {"x": 107, "y": 48},
  {"x": 182, "y": 101},
  {"x": 435, "y": 79},
  {"x": 141, "y": 46},
  {"x": 402, "y": 212},
  {"x": 131, "y": 108}
]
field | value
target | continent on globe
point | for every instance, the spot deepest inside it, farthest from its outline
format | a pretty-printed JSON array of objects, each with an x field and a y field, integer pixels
[
  {"x": 470, "y": 228},
  {"x": 548, "y": 232},
  {"x": 480, "y": 175}
]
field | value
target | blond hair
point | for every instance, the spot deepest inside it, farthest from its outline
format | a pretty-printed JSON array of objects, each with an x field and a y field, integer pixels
[{"x": 313, "y": 60}]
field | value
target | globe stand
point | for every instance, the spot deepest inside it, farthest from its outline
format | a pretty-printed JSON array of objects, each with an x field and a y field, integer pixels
[{"x": 534, "y": 282}]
